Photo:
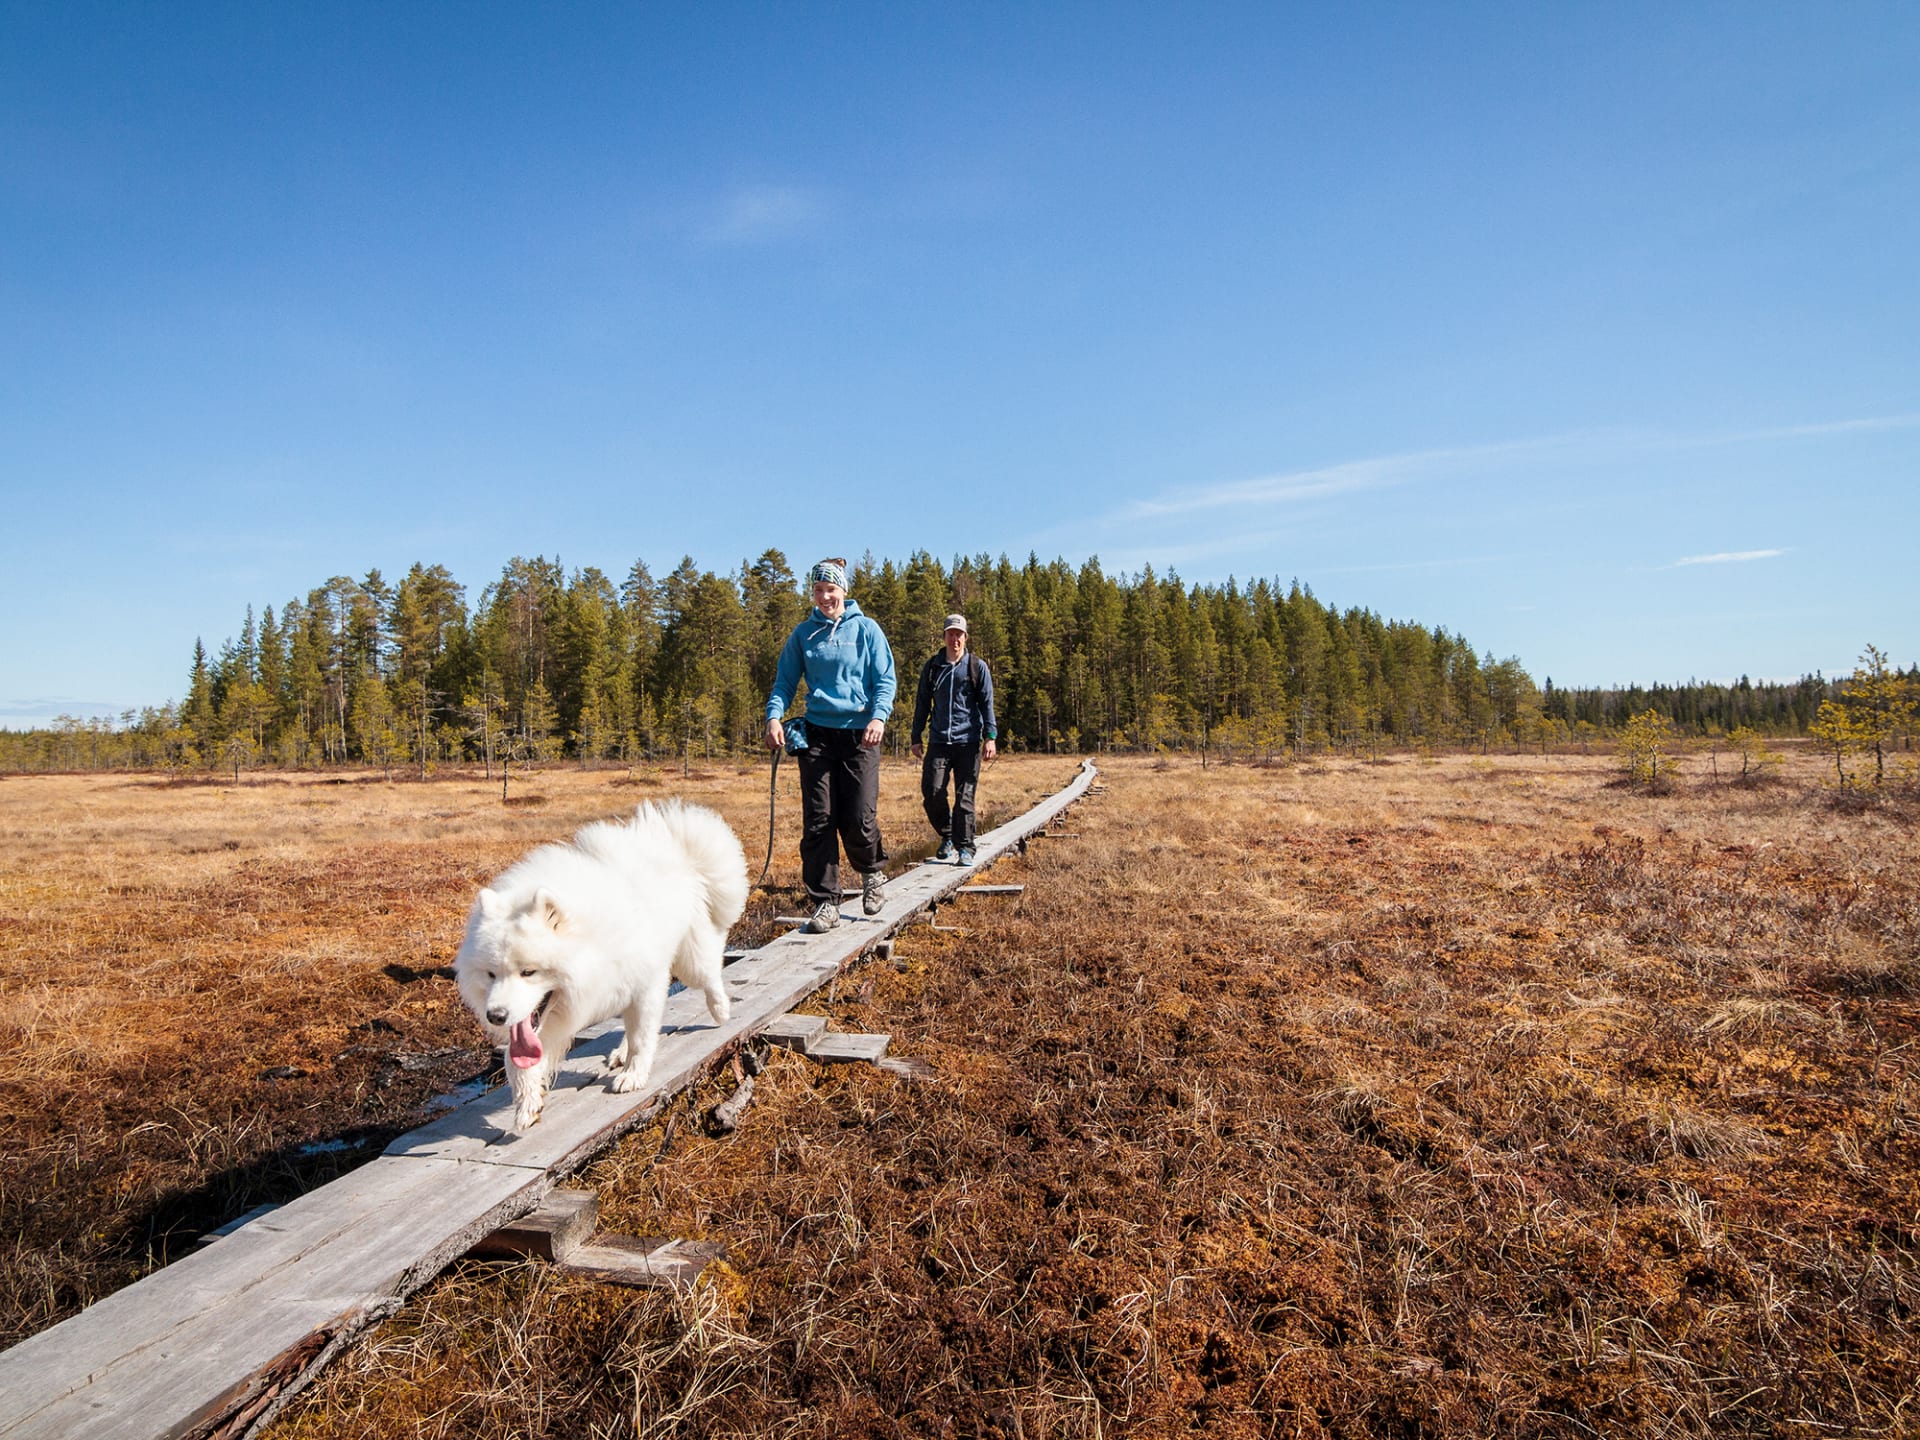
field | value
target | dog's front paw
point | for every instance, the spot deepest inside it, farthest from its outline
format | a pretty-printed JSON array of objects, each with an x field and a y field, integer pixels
[
  {"x": 621, "y": 1055},
  {"x": 626, "y": 1079},
  {"x": 527, "y": 1112}
]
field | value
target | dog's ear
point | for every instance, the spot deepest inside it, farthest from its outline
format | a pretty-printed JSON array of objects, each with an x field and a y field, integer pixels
[
  {"x": 548, "y": 909},
  {"x": 491, "y": 904}
]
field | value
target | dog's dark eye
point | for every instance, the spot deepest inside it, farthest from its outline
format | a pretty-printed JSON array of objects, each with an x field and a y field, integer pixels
[{"x": 526, "y": 974}]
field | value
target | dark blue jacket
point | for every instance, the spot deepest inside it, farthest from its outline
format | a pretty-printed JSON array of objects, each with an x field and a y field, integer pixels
[{"x": 958, "y": 699}]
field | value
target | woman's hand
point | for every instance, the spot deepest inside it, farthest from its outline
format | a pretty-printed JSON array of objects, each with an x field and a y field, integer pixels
[
  {"x": 870, "y": 737},
  {"x": 776, "y": 735}
]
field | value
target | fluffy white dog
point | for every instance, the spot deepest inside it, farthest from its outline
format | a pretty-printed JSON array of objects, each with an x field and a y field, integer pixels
[{"x": 577, "y": 933}]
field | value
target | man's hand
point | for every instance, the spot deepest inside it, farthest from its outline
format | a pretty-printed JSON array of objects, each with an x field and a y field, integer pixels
[
  {"x": 918, "y": 750},
  {"x": 990, "y": 750},
  {"x": 870, "y": 737},
  {"x": 776, "y": 735}
]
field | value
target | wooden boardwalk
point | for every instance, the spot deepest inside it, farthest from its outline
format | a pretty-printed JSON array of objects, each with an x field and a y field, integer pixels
[{"x": 215, "y": 1343}]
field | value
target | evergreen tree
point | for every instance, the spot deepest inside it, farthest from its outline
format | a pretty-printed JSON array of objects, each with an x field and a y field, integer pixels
[
  {"x": 926, "y": 597},
  {"x": 772, "y": 605},
  {"x": 426, "y": 616},
  {"x": 539, "y": 722},
  {"x": 515, "y": 629},
  {"x": 1880, "y": 704},
  {"x": 640, "y": 632},
  {"x": 1304, "y": 627},
  {"x": 585, "y": 657},
  {"x": 1646, "y": 748},
  {"x": 197, "y": 715},
  {"x": 483, "y": 706}
]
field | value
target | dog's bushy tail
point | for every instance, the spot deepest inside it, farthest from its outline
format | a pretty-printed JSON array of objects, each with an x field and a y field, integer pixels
[{"x": 715, "y": 851}]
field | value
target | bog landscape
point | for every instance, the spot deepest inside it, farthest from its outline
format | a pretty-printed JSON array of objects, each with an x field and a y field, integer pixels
[
  {"x": 1425, "y": 1092},
  {"x": 1420, "y": 498}
]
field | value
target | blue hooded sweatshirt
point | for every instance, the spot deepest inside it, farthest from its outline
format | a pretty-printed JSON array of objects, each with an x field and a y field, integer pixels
[{"x": 849, "y": 670}]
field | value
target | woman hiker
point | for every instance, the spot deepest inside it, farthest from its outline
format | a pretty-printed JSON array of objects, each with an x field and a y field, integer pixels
[{"x": 850, "y": 685}]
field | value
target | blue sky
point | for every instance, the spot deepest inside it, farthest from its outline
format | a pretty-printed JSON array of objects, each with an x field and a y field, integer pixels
[{"x": 1589, "y": 332}]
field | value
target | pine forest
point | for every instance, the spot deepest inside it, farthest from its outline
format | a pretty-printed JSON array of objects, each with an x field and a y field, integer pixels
[{"x": 550, "y": 665}]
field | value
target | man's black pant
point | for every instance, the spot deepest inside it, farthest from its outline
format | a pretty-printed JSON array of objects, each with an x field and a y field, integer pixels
[
  {"x": 839, "y": 805},
  {"x": 961, "y": 765}
]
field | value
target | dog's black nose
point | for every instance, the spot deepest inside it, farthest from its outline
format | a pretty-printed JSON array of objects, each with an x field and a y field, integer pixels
[{"x": 497, "y": 1015}]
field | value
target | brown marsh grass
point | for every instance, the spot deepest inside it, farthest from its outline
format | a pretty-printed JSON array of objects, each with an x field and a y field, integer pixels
[{"x": 1467, "y": 1097}]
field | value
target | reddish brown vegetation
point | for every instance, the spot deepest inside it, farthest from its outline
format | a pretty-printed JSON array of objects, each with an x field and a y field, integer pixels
[{"x": 1456, "y": 1099}]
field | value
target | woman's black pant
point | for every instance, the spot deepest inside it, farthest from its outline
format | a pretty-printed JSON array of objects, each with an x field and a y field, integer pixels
[{"x": 839, "y": 806}]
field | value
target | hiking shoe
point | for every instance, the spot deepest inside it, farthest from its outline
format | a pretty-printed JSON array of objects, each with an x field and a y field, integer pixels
[
  {"x": 966, "y": 854},
  {"x": 945, "y": 852},
  {"x": 871, "y": 884},
  {"x": 825, "y": 916}
]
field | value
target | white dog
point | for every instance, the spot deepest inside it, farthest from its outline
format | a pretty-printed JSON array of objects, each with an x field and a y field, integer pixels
[{"x": 577, "y": 933}]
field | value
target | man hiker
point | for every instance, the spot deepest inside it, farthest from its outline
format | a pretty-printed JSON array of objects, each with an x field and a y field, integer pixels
[{"x": 956, "y": 696}]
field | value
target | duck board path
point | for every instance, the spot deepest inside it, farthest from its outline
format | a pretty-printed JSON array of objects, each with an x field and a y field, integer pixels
[{"x": 215, "y": 1343}]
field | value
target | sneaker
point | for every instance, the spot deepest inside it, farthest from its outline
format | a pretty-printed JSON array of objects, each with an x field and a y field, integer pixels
[
  {"x": 871, "y": 884},
  {"x": 825, "y": 916},
  {"x": 945, "y": 852},
  {"x": 966, "y": 854}
]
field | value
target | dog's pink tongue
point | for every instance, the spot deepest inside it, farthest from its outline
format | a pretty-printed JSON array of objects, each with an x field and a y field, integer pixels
[{"x": 523, "y": 1045}]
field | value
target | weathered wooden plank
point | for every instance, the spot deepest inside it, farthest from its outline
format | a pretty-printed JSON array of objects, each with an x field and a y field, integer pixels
[
  {"x": 202, "y": 1338},
  {"x": 991, "y": 890},
  {"x": 626, "y": 1260},
  {"x": 552, "y": 1230},
  {"x": 844, "y": 1048},
  {"x": 795, "y": 1032}
]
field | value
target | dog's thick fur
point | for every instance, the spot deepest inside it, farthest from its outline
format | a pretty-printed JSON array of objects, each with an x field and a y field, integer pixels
[{"x": 577, "y": 933}]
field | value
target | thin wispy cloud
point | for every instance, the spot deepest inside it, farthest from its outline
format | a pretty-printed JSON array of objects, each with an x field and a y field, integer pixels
[
  {"x": 1826, "y": 427},
  {"x": 1373, "y": 473},
  {"x": 1654, "y": 442},
  {"x": 1269, "y": 489},
  {"x": 756, "y": 214},
  {"x": 1407, "y": 467},
  {"x": 1726, "y": 557}
]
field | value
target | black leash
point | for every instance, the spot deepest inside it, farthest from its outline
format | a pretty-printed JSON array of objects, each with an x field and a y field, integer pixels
[{"x": 772, "y": 790}]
